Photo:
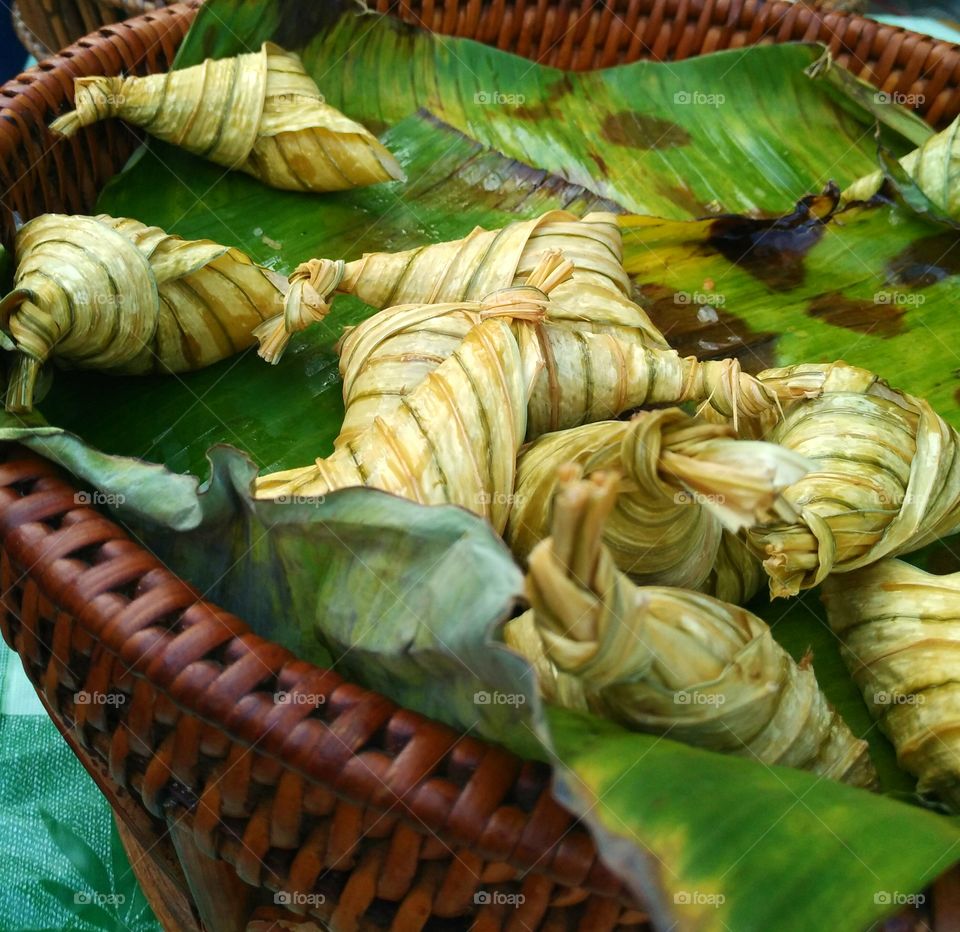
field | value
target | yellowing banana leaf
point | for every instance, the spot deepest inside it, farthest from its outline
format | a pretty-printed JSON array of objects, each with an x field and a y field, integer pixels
[
  {"x": 870, "y": 283},
  {"x": 928, "y": 176}
]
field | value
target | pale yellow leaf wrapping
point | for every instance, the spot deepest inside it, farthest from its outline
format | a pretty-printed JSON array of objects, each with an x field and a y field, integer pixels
[
  {"x": 485, "y": 261},
  {"x": 934, "y": 167},
  {"x": 886, "y": 479},
  {"x": 671, "y": 661},
  {"x": 684, "y": 485},
  {"x": 260, "y": 113},
  {"x": 602, "y": 355},
  {"x": 114, "y": 295},
  {"x": 900, "y": 630},
  {"x": 454, "y": 438},
  {"x": 384, "y": 358}
]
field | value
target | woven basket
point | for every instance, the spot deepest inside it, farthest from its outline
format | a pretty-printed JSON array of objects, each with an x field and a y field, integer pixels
[
  {"x": 44, "y": 26},
  {"x": 378, "y": 817}
]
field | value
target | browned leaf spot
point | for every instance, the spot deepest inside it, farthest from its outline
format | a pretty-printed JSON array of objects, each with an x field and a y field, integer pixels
[
  {"x": 877, "y": 319},
  {"x": 926, "y": 261},
  {"x": 773, "y": 250},
  {"x": 546, "y": 107},
  {"x": 642, "y": 131},
  {"x": 706, "y": 330}
]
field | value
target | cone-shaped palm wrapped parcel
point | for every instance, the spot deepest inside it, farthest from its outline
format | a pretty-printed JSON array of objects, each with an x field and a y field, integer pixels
[
  {"x": 586, "y": 376},
  {"x": 467, "y": 270},
  {"x": 260, "y": 113},
  {"x": 669, "y": 660},
  {"x": 455, "y": 437},
  {"x": 684, "y": 484},
  {"x": 115, "y": 295},
  {"x": 900, "y": 630},
  {"x": 886, "y": 479},
  {"x": 602, "y": 354}
]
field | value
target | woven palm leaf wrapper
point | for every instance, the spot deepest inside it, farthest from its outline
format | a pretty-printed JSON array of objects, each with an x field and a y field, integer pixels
[
  {"x": 686, "y": 488},
  {"x": 667, "y": 660},
  {"x": 114, "y": 295},
  {"x": 260, "y": 113},
  {"x": 900, "y": 631},
  {"x": 455, "y": 437},
  {"x": 933, "y": 167},
  {"x": 602, "y": 355},
  {"x": 467, "y": 270},
  {"x": 886, "y": 479}
]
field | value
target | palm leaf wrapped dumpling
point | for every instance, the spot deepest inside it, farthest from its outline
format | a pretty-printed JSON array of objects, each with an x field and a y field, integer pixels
[
  {"x": 686, "y": 488},
  {"x": 587, "y": 376},
  {"x": 900, "y": 631},
  {"x": 596, "y": 297},
  {"x": 669, "y": 661},
  {"x": 602, "y": 354},
  {"x": 455, "y": 437},
  {"x": 886, "y": 478},
  {"x": 260, "y": 113},
  {"x": 115, "y": 295}
]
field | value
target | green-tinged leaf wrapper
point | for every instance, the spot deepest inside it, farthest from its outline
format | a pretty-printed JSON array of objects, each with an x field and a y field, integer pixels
[
  {"x": 118, "y": 296},
  {"x": 671, "y": 661},
  {"x": 900, "y": 629},
  {"x": 686, "y": 486},
  {"x": 886, "y": 479}
]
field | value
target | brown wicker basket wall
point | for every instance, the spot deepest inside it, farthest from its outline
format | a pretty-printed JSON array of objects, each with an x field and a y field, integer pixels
[
  {"x": 386, "y": 819},
  {"x": 47, "y": 25}
]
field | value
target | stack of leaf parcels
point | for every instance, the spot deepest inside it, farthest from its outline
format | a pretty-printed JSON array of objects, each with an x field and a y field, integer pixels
[{"x": 499, "y": 373}]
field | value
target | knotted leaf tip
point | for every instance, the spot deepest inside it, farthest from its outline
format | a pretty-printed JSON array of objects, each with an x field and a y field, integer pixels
[
  {"x": 530, "y": 300},
  {"x": 307, "y": 301}
]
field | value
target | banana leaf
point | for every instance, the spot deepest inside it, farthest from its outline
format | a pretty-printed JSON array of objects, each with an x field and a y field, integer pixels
[
  {"x": 782, "y": 849},
  {"x": 724, "y": 132}
]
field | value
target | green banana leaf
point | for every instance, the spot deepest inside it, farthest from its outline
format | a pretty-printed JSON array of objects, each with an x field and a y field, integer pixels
[
  {"x": 684, "y": 827},
  {"x": 723, "y": 132}
]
